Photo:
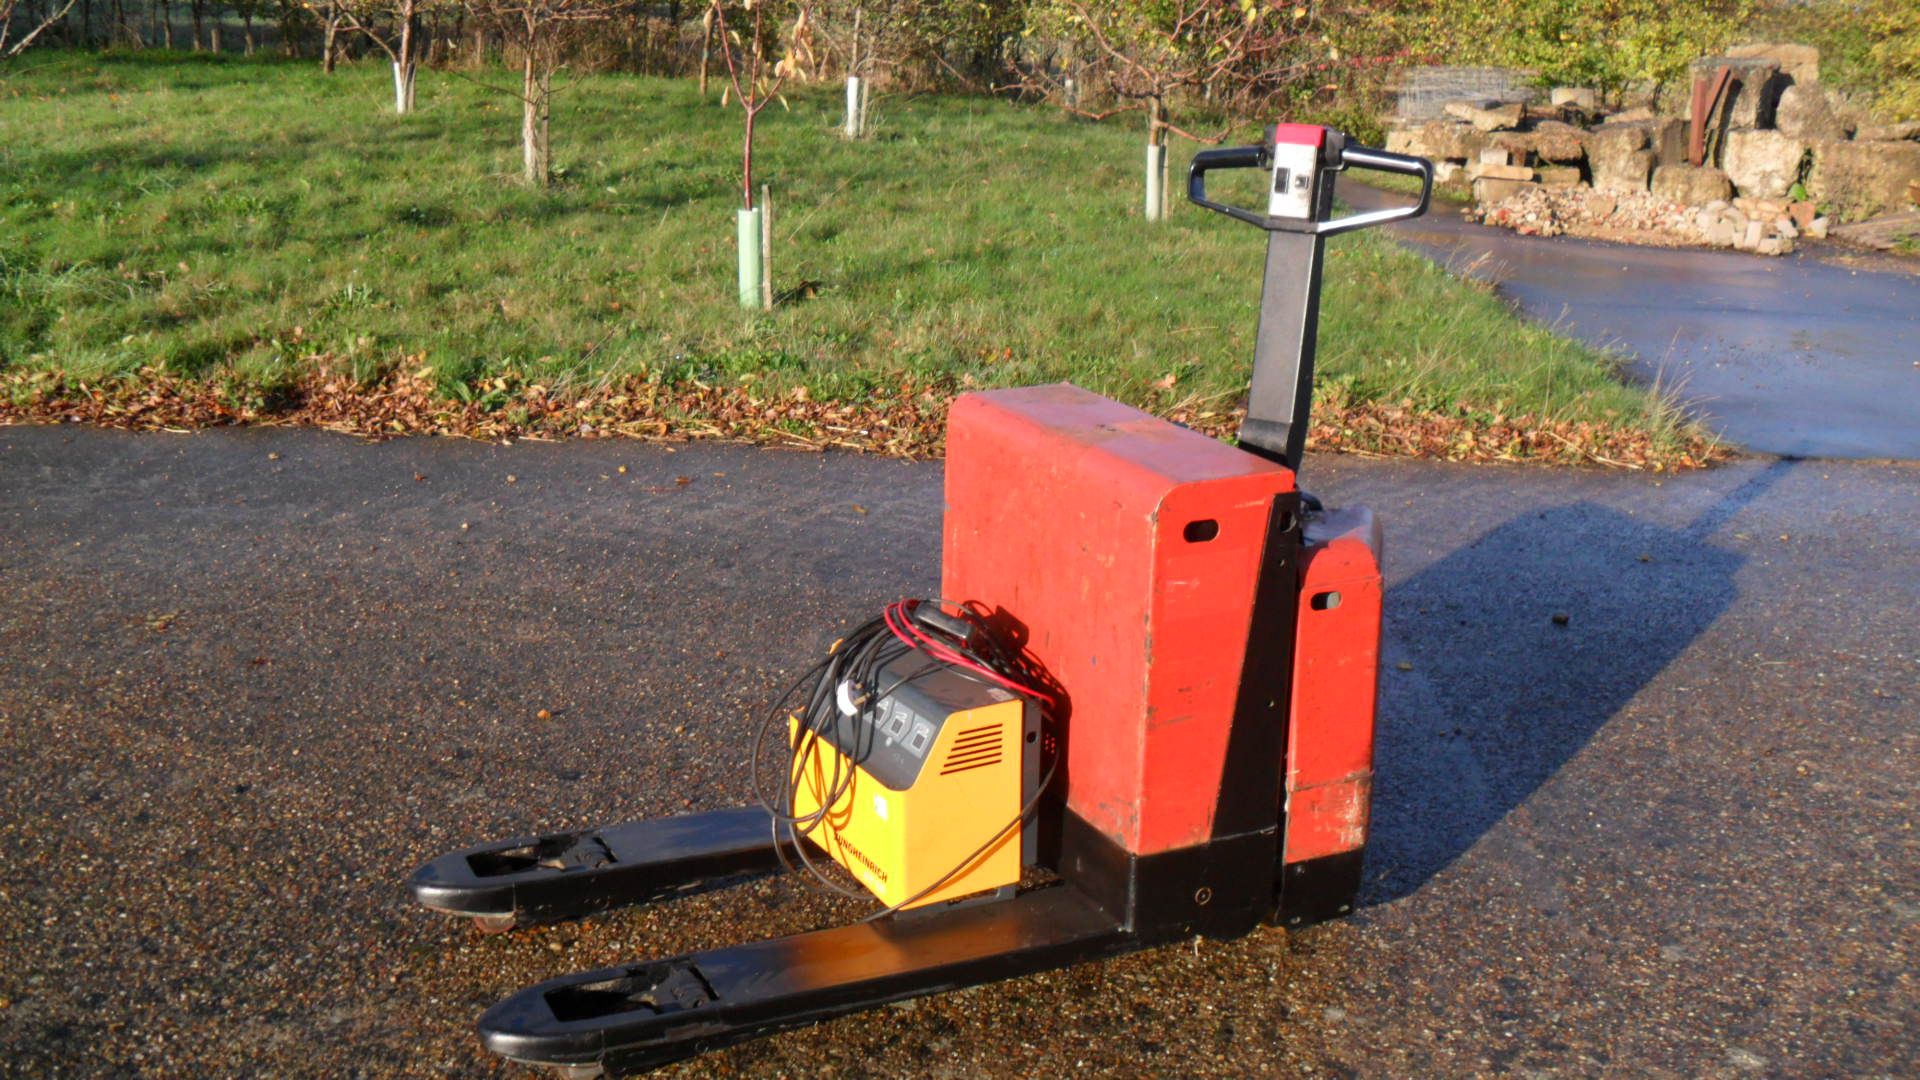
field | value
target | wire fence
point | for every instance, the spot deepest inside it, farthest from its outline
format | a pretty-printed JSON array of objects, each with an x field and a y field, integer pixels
[{"x": 1423, "y": 93}]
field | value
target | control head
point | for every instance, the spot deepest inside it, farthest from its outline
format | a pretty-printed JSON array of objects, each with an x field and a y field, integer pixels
[{"x": 1302, "y": 161}]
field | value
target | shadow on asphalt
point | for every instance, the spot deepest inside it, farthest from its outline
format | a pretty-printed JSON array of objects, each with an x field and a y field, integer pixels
[{"x": 1504, "y": 659}]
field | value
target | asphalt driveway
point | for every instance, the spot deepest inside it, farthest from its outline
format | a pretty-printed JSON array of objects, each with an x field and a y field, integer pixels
[
  {"x": 250, "y": 679},
  {"x": 1816, "y": 354}
]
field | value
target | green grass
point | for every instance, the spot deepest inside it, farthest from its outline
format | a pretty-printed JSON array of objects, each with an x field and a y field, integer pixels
[{"x": 245, "y": 219}]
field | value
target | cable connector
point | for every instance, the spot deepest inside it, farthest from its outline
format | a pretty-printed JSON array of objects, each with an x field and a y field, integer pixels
[
  {"x": 843, "y": 697},
  {"x": 929, "y": 615}
]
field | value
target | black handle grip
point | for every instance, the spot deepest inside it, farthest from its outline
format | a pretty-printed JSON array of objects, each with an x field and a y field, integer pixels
[
  {"x": 1338, "y": 157},
  {"x": 1366, "y": 157},
  {"x": 1231, "y": 157}
]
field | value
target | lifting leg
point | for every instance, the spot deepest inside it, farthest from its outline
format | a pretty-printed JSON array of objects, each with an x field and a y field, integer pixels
[
  {"x": 640, "y": 1016},
  {"x": 539, "y": 879}
]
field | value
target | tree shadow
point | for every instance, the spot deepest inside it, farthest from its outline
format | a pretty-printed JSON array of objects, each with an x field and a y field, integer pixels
[{"x": 1505, "y": 658}]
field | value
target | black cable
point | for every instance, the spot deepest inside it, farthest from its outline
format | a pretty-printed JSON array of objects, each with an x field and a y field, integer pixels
[{"x": 854, "y": 661}]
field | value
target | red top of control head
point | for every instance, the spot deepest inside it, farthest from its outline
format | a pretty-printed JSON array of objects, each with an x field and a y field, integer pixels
[{"x": 1299, "y": 134}]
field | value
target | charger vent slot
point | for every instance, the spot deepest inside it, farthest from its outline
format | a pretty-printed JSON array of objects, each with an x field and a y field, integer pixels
[{"x": 974, "y": 748}]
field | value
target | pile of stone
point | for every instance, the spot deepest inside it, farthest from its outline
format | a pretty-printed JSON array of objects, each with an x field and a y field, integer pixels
[
  {"x": 1761, "y": 226},
  {"x": 1581, "y": 211},
  {"x": 1778, "y": 138},
  {"x": 1764, "y": 226}
]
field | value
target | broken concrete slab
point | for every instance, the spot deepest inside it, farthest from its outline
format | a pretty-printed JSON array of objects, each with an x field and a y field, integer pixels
[
  {"x": 1763, "y": 163},
  {"x": 1480, "y": 169},
  {"x": 1669, "y": 138},
  {"x": 1801, "y": 63},
  {"x": 1623, "y": 173},
  {"x": 1882, "y": 233},
  {"x": 1553, "y": 141},
  {"x": 1453, "y": 139},
  {"x": 1863, "y": 178},
  {"x": 1888, "y": 132},
  {"x": 1490, "y": 189},
  {"x": 1401, "y": 140},
  {"x": 1584, "y": 98},
  {"x": 1618, "y": 157},
  {"x": 1488, "y": 116},
  {"x": 1558, "y": 175},
  {"x": 1691, "y": 185},
  {"x": 1807, "y": 112},
  {"x": 1612, "y": 136}
]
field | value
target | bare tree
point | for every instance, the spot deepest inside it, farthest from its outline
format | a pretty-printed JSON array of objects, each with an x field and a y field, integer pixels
[
  {"x": 330, "y": 17},
  {"x": 122, "y": 29},
  {"x": 706, "y": 51},
  {"x": 909, "y": 44},
  {"x": 1148, "y": 54},
  {"x": 754, "y": 77},
  {"x": 248, "y": 10},
  {"x": 852, "y": 41},
  {"x": 867, "y": 38},
  {"x": 538, "y": 28},
  {"x": 394, "y": 28},
  {"x": 52, "y": 14}
]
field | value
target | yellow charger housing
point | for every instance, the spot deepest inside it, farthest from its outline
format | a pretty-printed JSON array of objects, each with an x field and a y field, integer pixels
[{"x": 940, "y": 765}]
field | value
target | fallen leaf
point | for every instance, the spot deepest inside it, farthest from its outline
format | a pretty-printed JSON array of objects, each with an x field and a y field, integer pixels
[{"x": 907, "y": 419}]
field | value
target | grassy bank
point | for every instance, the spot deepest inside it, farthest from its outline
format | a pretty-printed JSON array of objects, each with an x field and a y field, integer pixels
[{"x": 188, "y": 239}]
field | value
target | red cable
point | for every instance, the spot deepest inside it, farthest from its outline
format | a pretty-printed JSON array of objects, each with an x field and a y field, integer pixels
[{"x": 944, "y": 653}]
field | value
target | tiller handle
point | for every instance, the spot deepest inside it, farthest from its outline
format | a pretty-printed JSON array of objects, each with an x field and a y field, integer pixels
[{"x": 1303, "y": 160}]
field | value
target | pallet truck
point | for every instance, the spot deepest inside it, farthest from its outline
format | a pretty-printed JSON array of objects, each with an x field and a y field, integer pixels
[{"x": 1142, "y": 710}]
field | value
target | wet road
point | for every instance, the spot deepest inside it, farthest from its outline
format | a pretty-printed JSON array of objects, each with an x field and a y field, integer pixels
[
  {"x": 1807, "y": 355},
  {"x": 249, "y": 679}
]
